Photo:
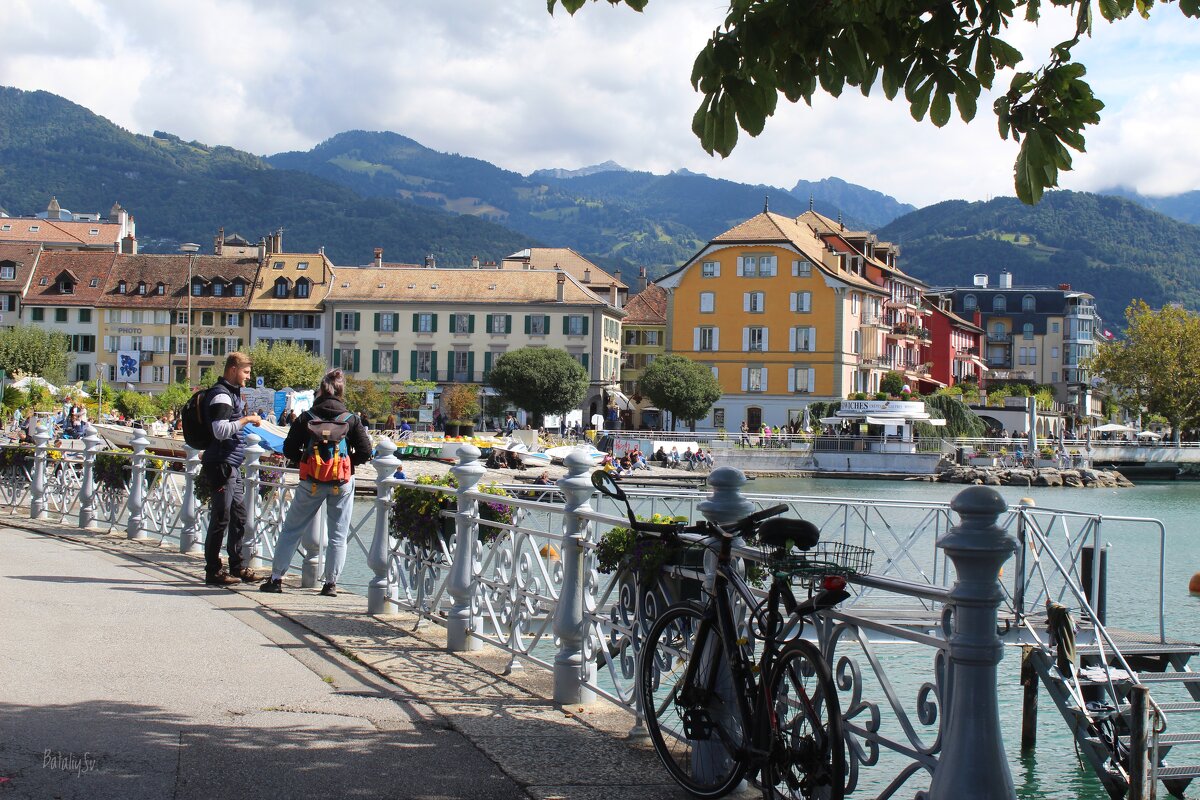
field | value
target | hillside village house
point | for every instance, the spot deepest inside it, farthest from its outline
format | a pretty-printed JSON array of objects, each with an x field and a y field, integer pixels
[
  {"x": 778, "y": 315},
  {"x": 57, "y": 228},
  {"x": 16, "y": 268},
  {"x": 399, "y": 322},
  {"x": 644, "y": 338},
  {"x": 288, "y": 300}
]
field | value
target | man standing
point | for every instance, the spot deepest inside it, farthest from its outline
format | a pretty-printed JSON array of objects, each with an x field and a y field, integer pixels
[{"x": 225, "y": 411}]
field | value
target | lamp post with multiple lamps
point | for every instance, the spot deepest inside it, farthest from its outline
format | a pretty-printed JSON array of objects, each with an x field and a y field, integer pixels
[{"x": 191, "y": 248}]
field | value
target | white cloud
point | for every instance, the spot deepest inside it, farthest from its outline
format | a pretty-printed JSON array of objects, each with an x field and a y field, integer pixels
[{"x": 507, "y": 82}]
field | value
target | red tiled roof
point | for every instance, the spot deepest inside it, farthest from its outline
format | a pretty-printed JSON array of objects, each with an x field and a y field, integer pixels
[
  {"x": 25, "y": 257},
  {"x": 58, "y": 231},
  {"x": 647, "y": 307},
  {"x": 172, "y": 271},
  {"x": 89, "y": 266}
]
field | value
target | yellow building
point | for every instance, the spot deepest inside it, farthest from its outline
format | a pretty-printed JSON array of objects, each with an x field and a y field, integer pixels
[{"x": 778, "y": 316}]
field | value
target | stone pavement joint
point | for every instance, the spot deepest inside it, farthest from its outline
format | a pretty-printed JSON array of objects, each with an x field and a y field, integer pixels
[{"x": 369, "y": 668}]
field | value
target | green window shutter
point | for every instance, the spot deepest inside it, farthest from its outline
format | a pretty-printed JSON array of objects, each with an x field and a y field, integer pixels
[
  {"x": 396, "y": 322},
  {"x": 487, "y": 363},
  {"x": 433, "y": 323},
  {"x": 416, "y": 322},
  {"x": 508, "y": 323},
  {"x": 528, "y": 323},
  {"x": 375, "y": 355},
  {"x": 433, "y": 365},
  {"x": 566, "y": 324},
  {"x": 413, "y": 370},
  {"x": 395, "y": 362},
  {"x": 357, "y": 321},
  {"x": 487, "y": 324},
  {"x": 355, "y": 367},
  {"x": 585, "y": 326},
  {"x": 584, "y": 361},
  {"x": 546, "y": 323},
  {"x": 470, "y": 323},
  {"x": 377, "y": 322},
  {"x": 449, "y": 366},
  {"x": 337, "y": 322},
  {"x": 337, "y": 357},
  {"x": 470, "y": 365}
]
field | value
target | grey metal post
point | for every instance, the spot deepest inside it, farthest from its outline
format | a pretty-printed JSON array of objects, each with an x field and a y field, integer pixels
[
  {"x": 461, "y": 620},
  {"x": 379, "y": 594},
  {"x": 137, "y": 487},
  {"x": 1141, "y": 781},
  {"x": 92, "y": 444},
  {"x": 973, "y": 763},
  {"x": 725, "y": 505},
  {"x": 250, "y": 548},
  {"x": 571, "y": 670},
  {"x": 37, "y": 480},
  {"x": 189, "y": 536},
  {"x": 1029, "y": 700}
]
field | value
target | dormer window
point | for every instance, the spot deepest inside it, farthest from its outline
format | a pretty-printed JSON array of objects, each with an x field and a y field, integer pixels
[
  {"x": 281, "y": 287},
  {"x": 239, "y": 288},
  {"x": 218, "y": 289},
  {"x": 34, "y": 228},
  {"x": 141, "y": 288},
  {"x": 302, "y": 287},
  {"x": 66, "y": 286},
  {"x": 120, "y": 287},
  {"x": 43, "y": 281},
  {"x": 94, "y": 282},
  {"x": 197, "y": 287},
  {"x": 161, "y": 288},
  {"x": 277, "y": 265},
  {"x": 8, "y": 270},
  {"x": 302, "y": 265}
]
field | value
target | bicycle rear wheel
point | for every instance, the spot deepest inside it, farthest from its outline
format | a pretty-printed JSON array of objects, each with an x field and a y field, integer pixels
[
  {"x": 696, "y": 726},
  {"x": 808, "y": 754}
]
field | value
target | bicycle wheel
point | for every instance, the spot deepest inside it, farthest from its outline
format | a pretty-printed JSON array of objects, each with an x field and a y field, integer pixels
[
  {"x": 808, "y": 754},
  {"x": 697, "y": 729}
]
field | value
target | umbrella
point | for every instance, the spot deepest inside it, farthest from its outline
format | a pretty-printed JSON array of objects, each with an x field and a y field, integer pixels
[
  {"x": 806, "y": 422},
  {"x": 1149, "y": 435},
  {"x": 25, "y": 383},
  {"x": 1112, "y": 427}
]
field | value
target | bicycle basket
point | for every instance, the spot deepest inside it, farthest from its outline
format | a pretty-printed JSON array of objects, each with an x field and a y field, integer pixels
[{"x": 826, "y": 558}]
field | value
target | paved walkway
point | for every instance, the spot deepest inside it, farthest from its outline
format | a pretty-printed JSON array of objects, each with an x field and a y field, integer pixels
[{"x": 123, "y": 676}]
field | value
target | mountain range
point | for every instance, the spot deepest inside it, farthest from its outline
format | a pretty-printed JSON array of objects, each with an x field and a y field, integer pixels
[{"x": 359, "y": 190}]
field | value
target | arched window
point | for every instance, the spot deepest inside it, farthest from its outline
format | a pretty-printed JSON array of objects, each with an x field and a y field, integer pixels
[
  {"x": 302, "y": 287},
  {"x": 1028, "y": 303},
  {"x": 1027, "y": 331},
  {"x": 970, "y": 303},
  {"x": 999, "y": 304},
  {"x": 281, "y": 287}
]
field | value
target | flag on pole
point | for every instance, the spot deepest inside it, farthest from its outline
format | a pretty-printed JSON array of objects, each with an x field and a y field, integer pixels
[{"x": 1107, "y": 334}]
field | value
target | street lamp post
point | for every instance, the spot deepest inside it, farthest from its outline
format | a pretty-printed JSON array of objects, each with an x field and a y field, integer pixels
[{"x": 191, "y": 248}]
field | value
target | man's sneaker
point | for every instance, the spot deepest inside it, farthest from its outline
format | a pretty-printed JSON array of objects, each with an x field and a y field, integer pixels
[
  {"x": 222, "y": 578},
  {"x": 248, "y": 575},
  {"x": 272, "y": 586},
  {"x": 329, "y": 590}
]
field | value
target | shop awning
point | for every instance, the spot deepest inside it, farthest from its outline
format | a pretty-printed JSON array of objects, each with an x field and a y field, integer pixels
[{"x": 623, "y": 401}]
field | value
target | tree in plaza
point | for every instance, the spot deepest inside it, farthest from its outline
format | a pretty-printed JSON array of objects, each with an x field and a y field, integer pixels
[
  {"x": 35, "y": 351},
  {"x": 681, "y": 386},
  {"x": 892, "y": 383},
  {"x": 285, "y": 364},
  {"x": 461, "y": 401},
  {"x": 1156, "y": 366},
  {"x": 135, "y": 405},
  {"x": 541, "y": 380},
  {"x": 373, "y": 397},
  {"x": 172, "y": 398},
  {"x": 935, "y": 53}
]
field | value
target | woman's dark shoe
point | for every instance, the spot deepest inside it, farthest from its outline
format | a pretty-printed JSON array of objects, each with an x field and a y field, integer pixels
[
  {"x": 329, "y": 590},
  {"x": 272, "y": 586}
]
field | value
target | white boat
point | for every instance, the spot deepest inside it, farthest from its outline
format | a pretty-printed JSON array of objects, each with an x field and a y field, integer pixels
[
  {"x": 123, "y": 436},
  {"x": 521, "y": 451},
  {"x": 559, "y": 454}
]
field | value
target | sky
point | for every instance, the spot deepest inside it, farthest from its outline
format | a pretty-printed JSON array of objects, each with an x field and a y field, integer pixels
[{"x": 504, "y": 81}]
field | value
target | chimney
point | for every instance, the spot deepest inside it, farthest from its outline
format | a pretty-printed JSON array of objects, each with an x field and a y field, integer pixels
[
  {"x": 474, "y": 262},
  {"x": 981, "y": 280},
  {"x": 562, "y": 287},
  {"x": 587, "y": 274},
  {"x": 614, "y": 297},
  {"x": 262, "y": 251},
  {"x": 1006, "y": 280},
  {"x": 219, "y": 242},
  {"x": 378, "y": 257},
  {"x": 129, "y": 245},
  {"x": 116, "y": 247},
  {"x": 1065, "y": 287},
  {"x": 642, "y": 279},
  {"x": 977, "y": 318},
  {"x": 430, "y": 261},
  {"x": 278, "y": 241},
  {"x": 618, "y": 276}
]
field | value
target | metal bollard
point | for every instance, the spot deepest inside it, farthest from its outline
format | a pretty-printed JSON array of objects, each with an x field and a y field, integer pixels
[
  {"x": 92, "y": 444},
  {"x": 189, "y": 515},
  {"x": 137, "y": 487},
  {"x": 726, "y": 504},
  {"x": 973, "y": 763},
  {"x": 37, "y": 479},
  {"x": 461, "y": 619},
  {"x": 571, "y": 670},
  {"x": 250, "y": 548},
  {"x": 379, "y": 593},
  {"x": 312, "y": 543}
]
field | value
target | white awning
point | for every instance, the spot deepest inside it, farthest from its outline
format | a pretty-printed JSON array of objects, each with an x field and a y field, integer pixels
[
  {"x": 885, "y": 420},
  {"x": 937, "y": 423},
  {"x": 623, "y": 401}
]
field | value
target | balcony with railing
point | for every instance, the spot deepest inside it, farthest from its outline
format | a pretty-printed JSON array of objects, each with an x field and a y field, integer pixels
[
  {"x": 907, "y": 330},
  {"x": 999, "y": 337}
]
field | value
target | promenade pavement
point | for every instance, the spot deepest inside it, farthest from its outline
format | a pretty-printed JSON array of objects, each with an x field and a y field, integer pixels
[{"x": 123, "y": 676}]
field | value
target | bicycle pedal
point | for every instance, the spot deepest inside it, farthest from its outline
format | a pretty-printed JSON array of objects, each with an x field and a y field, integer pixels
[{"x": 697, "y": 725}]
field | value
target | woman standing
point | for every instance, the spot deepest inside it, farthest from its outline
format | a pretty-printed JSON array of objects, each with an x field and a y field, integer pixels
[{"x": 327, "y": 442}]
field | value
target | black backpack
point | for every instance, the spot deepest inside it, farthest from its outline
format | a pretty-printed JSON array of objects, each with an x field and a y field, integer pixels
[{"x": 197, "y": 428}]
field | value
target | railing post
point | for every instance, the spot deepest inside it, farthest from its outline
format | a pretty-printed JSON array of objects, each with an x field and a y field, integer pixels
[
  {"x": 137, "y": 486},
  {"x": 92, "y": 444},
  {"x": 571, "y": 670},
  {"x": 379, "y": 593},
  {"x": 725, "y": 505},
  {"x": 973, "y": 763},
  {"x": 250, "y": 548},
  {"x": 189, "y": 536},
  {"x": 37, "y": 480},
  {"x": 461, "y": 619},
  {"x": 1141, "y": 783}
]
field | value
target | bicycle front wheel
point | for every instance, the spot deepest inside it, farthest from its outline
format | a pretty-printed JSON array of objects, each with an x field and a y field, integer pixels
[
  {"x": 808, "y": 754},
  {"x": 693, "y": 716}
]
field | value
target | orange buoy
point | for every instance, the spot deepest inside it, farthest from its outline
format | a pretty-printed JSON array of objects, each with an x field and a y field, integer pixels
[{"x": 1194, "y": 585}]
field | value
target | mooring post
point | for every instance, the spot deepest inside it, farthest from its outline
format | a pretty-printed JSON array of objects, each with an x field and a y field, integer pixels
[
  {"x": 461, "y": 621},
  {"x": 37, "y": 478},
  {"x": 189, "y": 516},
  {"x": 379, "y": 594},
  {"x": 1141, "y": 785},
  {"x": 973, "y": 763},
  {"x": 1029, "y": 700},
  {"x": 571, "y": 669},
  {"x": 137, "y": 487},
  {"x": 92, "y": 444}
]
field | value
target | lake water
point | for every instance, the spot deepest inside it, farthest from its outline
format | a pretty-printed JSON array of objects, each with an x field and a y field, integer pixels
[{"x": 1053, "y": 771}]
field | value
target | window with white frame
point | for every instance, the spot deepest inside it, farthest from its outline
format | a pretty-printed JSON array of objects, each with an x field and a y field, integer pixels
[
  {"x": 1027, "y": 330},
  {"x": 386, "y": 357},
  {"x": 706, "y": 339},
  {"x": 650, "y": 338},
  {"x": 462, "y": 365},
  {"x": 802, "y": 379},
  {"x": 756, "y": 339},
  {"x": 537, "y": 324},
  {"x": 181, "y": 317},
  {"x": 754, "y": 379},
  {"x": 575, "y": 323},
  {"x": 854, "y": 303},
  {"x": 801, "y": 268},
  {"x": 710, "y": 269},
  {"x": 158, "y": 374},
  {"x": 206, "y": 346},
  {"x": 234, "y": 319},
  {"x": 497, "y": 323},
  {"x": 804, "y": 339},
  {"x": 970, "y": 303},
  {"x": 801, "y": 302},
  {"x": 1028, "y": 303},
  {"x": 707, "y": 302},
  {"x": 424, "y": 364},
  {"x": 8, "y": 271},
  {"x": 462, "y": 323},
  {"x": 387, "y": 324},
  {"x": 425, "y": 323},
  {"x": 181, "y": 345},
  {"x": 754, "y": 302}
]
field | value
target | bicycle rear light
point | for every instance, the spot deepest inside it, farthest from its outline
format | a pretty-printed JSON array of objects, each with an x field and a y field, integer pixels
[{"x": 833, "y": 583}]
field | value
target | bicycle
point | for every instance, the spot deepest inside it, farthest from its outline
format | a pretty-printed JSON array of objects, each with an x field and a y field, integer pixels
[{"x": 715, "y": 712}]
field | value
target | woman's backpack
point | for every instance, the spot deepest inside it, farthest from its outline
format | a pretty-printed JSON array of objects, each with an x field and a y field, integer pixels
[{"x": 326, "y": 458}]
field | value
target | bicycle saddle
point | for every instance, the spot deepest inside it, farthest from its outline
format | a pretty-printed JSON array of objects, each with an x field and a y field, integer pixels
[{"x": 778, "y": 531}]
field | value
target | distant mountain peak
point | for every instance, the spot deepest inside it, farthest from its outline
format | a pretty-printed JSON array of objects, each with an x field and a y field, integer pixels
[{"x": 582, "y": 172}]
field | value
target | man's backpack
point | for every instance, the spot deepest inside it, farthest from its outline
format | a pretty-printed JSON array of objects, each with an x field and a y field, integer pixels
[
  {"x": 326, "y": 458},
  {"x": 197, "y": 427}
]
